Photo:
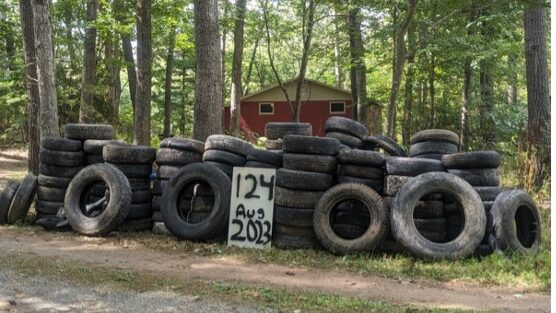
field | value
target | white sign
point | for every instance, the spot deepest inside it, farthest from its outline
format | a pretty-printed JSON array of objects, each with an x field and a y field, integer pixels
[{"x": 251, "y": 207}]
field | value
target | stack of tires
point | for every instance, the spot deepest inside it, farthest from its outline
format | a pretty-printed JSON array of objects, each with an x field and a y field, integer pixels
[
  {"x": 174, "y": 153},
  {"x": 480, "y": 170},
  {"x": 60, "y": 160},
  {"x": 429, "y": 211},
  {"x": 276, "y": 131},
  {"x": 309, "y": 166},
  {"x": 384, "y": 143},
  {"x": 433, "y": 143},
  {"x": 224, "y": 152},
  {"x": 135, "y": 162},
  {"x": 264, "y": 159},
  {"x": 362, "y": 167},
  {"x": 16, "y": 199},
  {"x": 349, "y": 132}
]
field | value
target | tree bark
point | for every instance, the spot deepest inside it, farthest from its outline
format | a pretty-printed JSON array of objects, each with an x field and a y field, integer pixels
[
  {"x": 465, "y": 132},
  {"x": 337, "y": 63},
  {"x": 308, "y": 36},
  {"x": 48, "y": 114},
  {"x": 168, "y": 84},
  {"x": 538, "y": 97},
  {"x": 208, "y": 77},
  {"x": 512, "y": 80},
  {"x": 407, "y": 127},
  {"x": 250, "y": 67},
  {"x": 86, "y": 109},
  {"x": 223, "y": 59},
  {"x": 432, "y": 91},
  {"x": 130, "y": 66},
  {"x": 142, "y": 112},
  {"x": 400, "y": 52},
  {"x": 358, "y": 64},
  {"x": 114, "y": 87},
  {"x": 235, "y": 107},
  {"x": 33, "y": 102}
]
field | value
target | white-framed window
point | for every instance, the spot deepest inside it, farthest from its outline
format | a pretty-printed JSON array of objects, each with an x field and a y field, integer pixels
[
  {"x": 337, "y": 107},
  {"x": 266, "y": 108}
]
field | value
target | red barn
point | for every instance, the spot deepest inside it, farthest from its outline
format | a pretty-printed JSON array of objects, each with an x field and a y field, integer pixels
[{"x": 319, "y": 101}]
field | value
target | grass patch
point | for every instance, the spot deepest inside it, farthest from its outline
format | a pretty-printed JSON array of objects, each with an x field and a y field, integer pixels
[{"x": 230, "y": 293}]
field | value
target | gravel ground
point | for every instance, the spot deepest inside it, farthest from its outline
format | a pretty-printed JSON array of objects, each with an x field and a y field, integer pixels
[{"x": 20, "y": 293}]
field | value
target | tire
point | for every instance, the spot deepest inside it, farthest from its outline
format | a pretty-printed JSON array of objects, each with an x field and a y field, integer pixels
[
  {"x": 488, "y": 205},
  {"x": 115, "y": 212},
  {"x": 141, "y": 196},
  {"x": 225, "y": 168},
  {"x": 517, "y": 224},
  {"x": 202, "y": 204},
  {"x": 347, "y": 231},
  {"x": 302, "y": 180},
  {"x": 361, "y": 157},
  {"x": 273, "y": 144},
  {"x": 403, "y": 166},
  {"x": 51, "y": 194},
  {"x": 288, "y": 242},
  {"x": 376, "y": 184},
  {"x": 435, "y": 135},
  {"x": 468, "y": 160},
  {"x": 140, "y": 211},
  {"x": 93, "y": 159},
  {"x": 183, "y": 144},
  {"x": 346, "y": 139},
  {"x": 95, "y": 146},
  {"x": 430, "y": 147},
  {"x": 310, "y": 163},
  {"x": 433, "y": 156},
  {"x": 403, "y": 226},
  {"x": 265, "y": 156},
  {"x": 136, "y": 225},
  {"x": 127, "y": 154},
  {"x": 296, "y": 198},
  {"x": 387, "y": 144},
  {"x": 6, "y": 197},
  {"x": 156, "y": 204},
  {"x": 345, "y": 125},
  {"x": 376, "y": 231},
  {"x": 22, "y": 199},
  {"x": 135, "y": 170},
  {"x": 361, "y": 171},
  {"x": 488, "y": 193},
  {"x": 228, "y": 143},
  {"x": 48, "y": 223},
  {"x": 296, "y": 217},
  {"x": 58, "y": 171},
  {"x": 166, "y": 156},
  {"x": 158, "y": 187},
  {"x": 216, "y": 222},
  {"x": 139, "y": 184},
  {"x": 257, "y": 164},
  {"x": 277, "y": 130},
  {"x": 352, "y": 218},
  {"x": 167, "y": 171},
  {"x": 478, "y": 177},
  {"x": 89, "y": 131},
  {"x": 311, "y": 145},
  {"x": 48, "y": 207},
  {"x": 61, "y": 144},
  {"x": 394, "y": 184},
  {"x": 52, "y": 181},
  {"x": 61, "y": 158},
  {"x": 423, "y": 209},
  {"x": 439, "y": 225},
  {"x": 224, "y": 157}
]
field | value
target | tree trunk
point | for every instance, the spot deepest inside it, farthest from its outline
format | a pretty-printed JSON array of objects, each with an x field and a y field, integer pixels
[
  {"x": 358, "y": 64},
  {"x": 223, "y": 59},
  {"x": 48, "y": 116},
  {"x": 114, "y": 87},
  {"x": 432, "y": 91},
  {"x": 68, "y": 21},
  {"x": 235, "y": 107},
  {"x": 168, "y": 84},
  {"x": 142, "y": 112},
  {"x": 304, "y": 59},
  {"x": 512, "y": 80},
  {"x": 465, "y": 97},
  {"x": 337, "y": 64},
  {"x": 538, "y": 97},
  {"x": 250, "y": 67},
  {"x": 208, "y": 78},
  {"x": 33, "y": 105},
  {"x": 86, "y": 109},
  {"x": 399, "y": 62},
  {"x": 130, "y": 66},
  {"x": 408, "y": 101}
]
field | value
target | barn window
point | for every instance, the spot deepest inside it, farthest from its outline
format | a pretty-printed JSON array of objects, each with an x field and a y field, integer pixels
[
  {"x": 266, "y": 108},
  {"x": 337, "y": 107}
]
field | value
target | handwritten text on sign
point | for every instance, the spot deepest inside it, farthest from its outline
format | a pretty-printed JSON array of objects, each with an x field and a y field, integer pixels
[{"x": 251, "y": 207}]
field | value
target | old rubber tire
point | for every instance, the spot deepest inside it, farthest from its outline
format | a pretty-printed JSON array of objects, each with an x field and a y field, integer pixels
[
  {"x": 167, "y": 156},
  {"x": 277, "y": 130},
  {"x": 423, "y": 209},
  {"x": 376, "y": 184},
  {"x": 387, "y": 144},
  {"x": 139, "y": 211},
  {"x": 345, "y": 125},
  {"x": 22, "y": 199},
  {"x": 222, "y": 156},
  {"x": 310, "y": 162},
  {"x": 136, "y": 225},
  {"x": 288, "y": 242},
  {"x": 257, "y": 164},
  {"x": 435, "y": 135},
  {"x": 61, "y": 144},
  {"x": 89, "y": 131},
  {"x": 311, "y": 145},
  {"x": 477, "y": 159},
  {"x": 52, "y": 194},
  {"x": 376, "y": 231},
  {"x": 48, "y": 207},
  {"x": 403, "y": 166},
  {"x": 297, "y": 217},
  {"x": 488, "y": 193},
  {"x": 6, "y": 198},
  {"x": 517, "y": 224},
  {"x": 346, "y": 139},
  {"x": 403, "y": 225},
  {"x": 226, "y": 168},
  {"x": 116, "y": 210},
  {"x": 479, "y": 177},
  {"x": 216, "y": 222},
  {"x": 433, "y": 156},
  {"x": 95, "y": 146},
  {"x": 53, "y": 181},
  {"x": 228, "y": 143},
  {"x": 361, "y": 171},
  {"x": 296, "y": 198},
  {"x": 134, "y": 170},
  {"x": 302, "y": 180},
  {"x": 430, "y": 147},
  {"x": 183, "y": 144},
  {"x": 167, "y": 171},
  {"x": 93, "y": 159},
  {"x": 61, "y": 158},
  {"x": 128, "y": 154},
  {"x": 361, "y": 157},
  {"x": 265, "y": 156}
]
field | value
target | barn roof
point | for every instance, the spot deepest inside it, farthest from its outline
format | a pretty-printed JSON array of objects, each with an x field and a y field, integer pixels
[{"x": 312, "y": 90}]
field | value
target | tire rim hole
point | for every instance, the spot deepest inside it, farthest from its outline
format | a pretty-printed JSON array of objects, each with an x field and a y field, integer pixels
[
  {"x": 94, "y": 199},
  {"x": 350, "y": 219},
  {"x": 526, "y": 226},
  {"x": 195, "y": 202}
]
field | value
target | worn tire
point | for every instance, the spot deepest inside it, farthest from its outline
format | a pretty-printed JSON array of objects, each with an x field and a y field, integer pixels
[
  {"x": 296, "y": 198},
  {"x": 93, "y": 159},
  {"x": 303, "y": 180},
  {"x": 423, "y": 209},
  {"x": 48, "y": 207},
  {"x": 346, "y": 139},
  {"x": 297, "y": 217},
  {"x": 517, "y": 224},
  {"x": 289, "y": 242},
  {"x": 139, "y": 211},
  {"x": 311, "y": 145},
  {"x": 277, "y": 130},
  {"x": 53, "y": 181},
  {"x": 61, "y": 144},
  {"x": 134, "y": 170},
  {"x": 95, "y": 146},
  {"x": 468, "y": 160},
  {"x": 136, "y": 225},
  {"x": 225, "y": 168},
  {"x": 60, "y": 158},
  {"x": 433, "y": 156},
  {"x": 228, "y": 143},
  {"x": 403, "y": 226},
  {"x": 225, "y": 157},
  {"x": 167, "y": 171},
  {"x": 51, "y": 194},
  {"x": 430, "y": 147},
  {"x": 387, "y": 144},
  {"x": 6, "y": 197},
  {"x": 403, "y": 166},
  {"x": 89, "y": 131},
  {"x": 216, "y": 222},
  {"x": 376, "y": 231},
  {"x": 438, "y": 225},
  {"x": 361, "y": 157},
  {"x": 158, "y": 186},
  {"x": 265, "y": 156},
  {"x": 435, "y": 135},
  {"x": 345, "y": 125},
  {"x": 310, "y": 162},
  {"x": 376, "y": 184},
  {"x": 116, "y": 210},
  {"x": 22, "y": 199},
  {"x": 361, "y": 171},
  {"x": 257, "y": 164},
  {"x": 479, "y": 177},
  {"x": 488, "y": 193},
  {"x": 174, "y": 157},
  {"x": 128, "y": 154},
  {"x": 183, "y": 144}
]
